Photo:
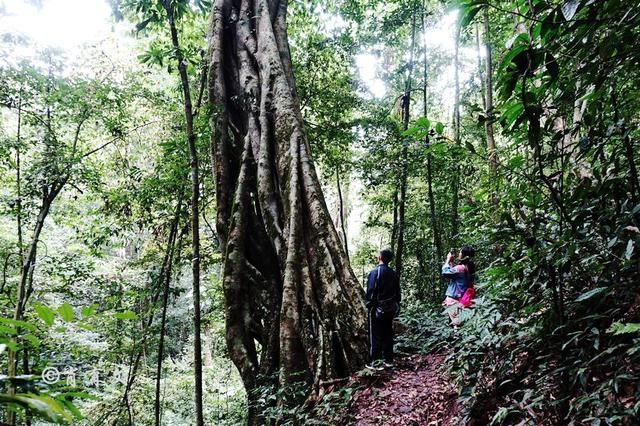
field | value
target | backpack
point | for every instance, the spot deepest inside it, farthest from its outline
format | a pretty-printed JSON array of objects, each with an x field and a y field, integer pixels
[
  {"x": 470, "y": 293},
  {"x": 467, "y": 298}
]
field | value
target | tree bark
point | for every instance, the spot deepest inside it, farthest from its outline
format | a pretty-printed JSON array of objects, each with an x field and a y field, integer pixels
[
  {"x": 456, "y": 136},
  {"x": 394, "y": 225},
  {"x": 404, "y": 172},
  {"x": 341, "y": 208},
  {"x": 435, "y": 227},
  {"x": 480, "y": 71},
  {"x": 19, "y": 185},
  {"x": 195, "y": 214},
  {"x": 287, "y": 281},
  {"x": 26, "y": 282},
  {"x": 488, "y": 123},
  {"x": 165, "y": 278}
]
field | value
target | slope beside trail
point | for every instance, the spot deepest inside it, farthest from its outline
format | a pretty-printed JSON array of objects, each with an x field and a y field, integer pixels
[{"x": 415, "y": 392}]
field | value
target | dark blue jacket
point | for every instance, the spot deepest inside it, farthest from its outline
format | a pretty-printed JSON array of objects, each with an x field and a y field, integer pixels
[{"x": 388, "y": 285}]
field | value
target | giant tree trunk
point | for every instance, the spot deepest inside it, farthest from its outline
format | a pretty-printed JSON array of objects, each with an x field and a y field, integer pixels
[{"x": 288, "y": 284}]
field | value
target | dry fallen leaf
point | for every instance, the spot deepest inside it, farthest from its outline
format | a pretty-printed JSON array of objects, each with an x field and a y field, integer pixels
[{"x": 416, "y": 392}]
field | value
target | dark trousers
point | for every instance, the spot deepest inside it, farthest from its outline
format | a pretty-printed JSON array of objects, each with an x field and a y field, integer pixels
[{"x": 380, "y": 337}]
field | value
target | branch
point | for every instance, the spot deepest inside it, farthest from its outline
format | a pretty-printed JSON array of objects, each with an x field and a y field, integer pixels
[
  {"x": 4, "y": 270},
  {"x": 93, "y": 151},
  {"x": 203, "y": 82},
  {"x": 76, "y": 137},
  {"x": 43, "y": 122}
]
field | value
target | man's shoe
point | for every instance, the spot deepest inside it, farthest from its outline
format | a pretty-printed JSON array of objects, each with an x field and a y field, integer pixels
[{"x": 374, "y": 366}]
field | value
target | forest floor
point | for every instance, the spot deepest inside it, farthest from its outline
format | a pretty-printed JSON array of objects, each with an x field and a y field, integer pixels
[{"x": 415, "y": 392}]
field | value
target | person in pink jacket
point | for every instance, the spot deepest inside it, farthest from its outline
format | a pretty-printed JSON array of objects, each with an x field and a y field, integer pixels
[{"x": 461, "y": 278}]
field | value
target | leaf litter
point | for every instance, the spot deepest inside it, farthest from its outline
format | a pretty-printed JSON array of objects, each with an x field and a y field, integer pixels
[{"x": 415, "y": 392}]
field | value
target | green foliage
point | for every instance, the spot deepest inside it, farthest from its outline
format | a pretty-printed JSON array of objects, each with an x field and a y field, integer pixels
[
  {"x": 45, "y": 407},
  {"x": 619, "y": 328},
  {"x": 553, "y": 337},
  {"x": 330, "y": 409}
]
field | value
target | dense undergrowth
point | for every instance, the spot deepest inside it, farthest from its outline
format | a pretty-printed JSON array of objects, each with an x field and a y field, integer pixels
[{"x": 516, "y": 367}]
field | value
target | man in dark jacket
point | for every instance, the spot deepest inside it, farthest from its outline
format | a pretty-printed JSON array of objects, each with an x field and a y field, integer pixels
[{"x": 383, "y": 302}]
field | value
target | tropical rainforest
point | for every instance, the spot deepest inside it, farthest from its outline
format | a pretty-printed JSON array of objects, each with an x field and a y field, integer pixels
[{"x": 190, "y": 205}]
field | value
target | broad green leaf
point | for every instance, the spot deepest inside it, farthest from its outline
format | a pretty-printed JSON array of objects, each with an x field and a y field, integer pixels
[
  {"x": 512, "y": 114},
  {"x": 439, "y": 128},
  {"x": 410, "y": 131},
  {"x": 44, "y": 406},
  {"x": 8, "y": 330},
  {"x": 620, "y": 328},
  {"x": 470, "y": 11},
  {"x": 89, "y": 311},
  {"x": 629, "y": 250},
  {"x": 500, "y": 416},
  {"x": 66, "y": 312},
  {"x": 515, "y": 162},
  {"x": 35, "y": 342},
  {"x": 142, "y": 25},
  {"x": 126, "y": 315},
  {"x": 423, "y": 122},
  {"x": 45, "y": 313},
  {"x": 589, "y": 294},
  {"x": 17, "y": 323},
  {"x": 569, "y": 9},
  {"x": 72, "y": 409}
]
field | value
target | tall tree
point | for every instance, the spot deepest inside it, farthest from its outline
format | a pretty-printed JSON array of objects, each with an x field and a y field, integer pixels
[
  {"x": 287, "y": 281},
  {"x": 404, "y": 164},
  {"x": 435, "y": 227},
  {"x": 456, "y": 135},
  {"x": 189, "y": 114},
  {"x": 488, "y": 105}
]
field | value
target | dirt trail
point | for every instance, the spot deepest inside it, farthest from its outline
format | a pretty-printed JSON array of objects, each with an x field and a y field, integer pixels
[{"x": 415, "y": 392}]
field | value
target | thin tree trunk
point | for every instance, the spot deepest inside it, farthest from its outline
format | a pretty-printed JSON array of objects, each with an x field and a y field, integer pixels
[
  {"x": 25, "y": 358},
  {"x": 456, "y": 137},
  {"x": 166, "y": 280},
  {"x": 576, "y": 121},
  {"x": 488, "y": 124},
  {"x": 480, "y": 72},
  {"x": 341, "y": 204},
  {"x": 165, "y": 269},
  {"x": 435, "y": 228},
  {"x": 26, "y": 279},
  {"x": 19, "y": 185},
  {"x": 287, "y": 280},
  {"x": 633, "y": 171},
  {"x": 394, "y": 225},
  {"x": 195, "y": 215},
  {"x": 406, "y": 104}
]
